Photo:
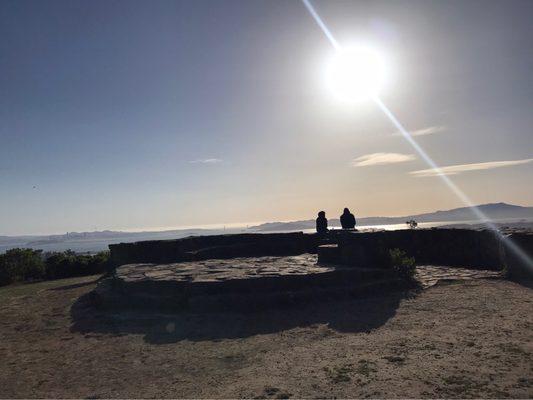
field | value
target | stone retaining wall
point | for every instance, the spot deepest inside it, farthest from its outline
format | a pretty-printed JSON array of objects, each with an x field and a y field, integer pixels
[
  {"x": 517, "y": 267},
  {"x": 482, "y": 249},
  {"x": 217, "y": 246},
  {"x": 477, "y": 249},
  {"x": 453, "y": 247}
]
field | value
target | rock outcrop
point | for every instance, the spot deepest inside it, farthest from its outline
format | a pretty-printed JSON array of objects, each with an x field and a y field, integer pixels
[{"x": 250, "y": 283}]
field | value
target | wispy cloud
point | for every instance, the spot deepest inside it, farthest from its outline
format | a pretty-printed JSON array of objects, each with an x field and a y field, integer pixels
[
  {"x": 206, "y": 161},
  {"x": 430, "y": 130},
  {"x": 381, "y": 159},
  {"x": 457, "y": 169}
]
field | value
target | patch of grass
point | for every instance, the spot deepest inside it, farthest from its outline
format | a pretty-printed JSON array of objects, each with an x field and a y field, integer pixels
[
  {"x": 525, "y": 382},
  {"x": 29, "y": 289},
  {"x": 459, "y": 385},
  {"x": 365, "y": 368},
  {"x": 395, "y": 359},
  {"x": 271, "y": 391},
  {"x": 455, "y": 380},
  {"x": 339, "y": 374},
  {"x": 511, "y": 348},
  {"x": 234, "y": 358}
]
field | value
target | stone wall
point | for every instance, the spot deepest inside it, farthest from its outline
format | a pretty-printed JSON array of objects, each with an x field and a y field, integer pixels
[
  {"x": 477, "y": 249},
  {"x": 481, "y": 249},
  {"x": 519, "y": 267},
  {"x": 452, "y": 247},
  {"x": 217, "y": 246}
]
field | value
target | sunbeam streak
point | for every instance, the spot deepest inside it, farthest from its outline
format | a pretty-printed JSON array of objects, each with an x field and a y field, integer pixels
[
  {"x": 321, "y": 24},
  {"x": 452, "y": 186}
]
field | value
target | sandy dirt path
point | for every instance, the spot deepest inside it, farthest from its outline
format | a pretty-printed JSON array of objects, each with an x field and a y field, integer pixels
[{"x": 465, "y": 339}]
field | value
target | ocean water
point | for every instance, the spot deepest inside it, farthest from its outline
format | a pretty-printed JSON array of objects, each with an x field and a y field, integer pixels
[{"x": 396, "y": 227}]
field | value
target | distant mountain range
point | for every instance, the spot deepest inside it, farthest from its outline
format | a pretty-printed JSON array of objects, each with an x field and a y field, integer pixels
[
  {"x": 97, "y": 241},
  {"x": 493, "y": 211}
]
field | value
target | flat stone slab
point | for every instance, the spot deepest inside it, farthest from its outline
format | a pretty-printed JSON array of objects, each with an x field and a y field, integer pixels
[
  {"x": 262, "y": 267},
  {"x": 223, "y": 270},
  {"x": 240, "y": 275},
  {"x": 250, "y": 282},
  {"x": 429, "y": 275}
]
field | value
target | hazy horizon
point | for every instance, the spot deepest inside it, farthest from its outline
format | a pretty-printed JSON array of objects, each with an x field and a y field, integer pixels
[
  {"x": 231, "y": 225},
  {"x": 130, "y": 114}
]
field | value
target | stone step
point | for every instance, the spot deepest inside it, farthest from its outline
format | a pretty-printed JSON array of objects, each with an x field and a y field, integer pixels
[
  {"x": 239, "y": 301},
  {"x": 258, "y": 301}
]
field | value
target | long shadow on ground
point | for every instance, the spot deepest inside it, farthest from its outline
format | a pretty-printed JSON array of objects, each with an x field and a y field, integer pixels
[
  {"x": 74, "y": 285},
  {"x": 361, "y": 315}
]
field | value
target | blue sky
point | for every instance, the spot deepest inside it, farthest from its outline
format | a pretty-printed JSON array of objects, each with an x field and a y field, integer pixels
[{"x": 137, "y": 114}]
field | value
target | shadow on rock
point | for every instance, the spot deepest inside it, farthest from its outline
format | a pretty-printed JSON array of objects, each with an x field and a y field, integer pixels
[{"x": 356, "y": 315}]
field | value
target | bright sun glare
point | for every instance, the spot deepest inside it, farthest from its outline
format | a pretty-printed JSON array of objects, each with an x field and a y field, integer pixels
[{"x": 356, "y": 73}]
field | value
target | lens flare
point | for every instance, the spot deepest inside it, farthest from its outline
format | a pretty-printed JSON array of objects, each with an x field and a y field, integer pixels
[{"x": 356, "y": 73}]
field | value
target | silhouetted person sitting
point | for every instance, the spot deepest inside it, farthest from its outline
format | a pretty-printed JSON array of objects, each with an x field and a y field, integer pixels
[
  {"x": 347, "y": 220},
  {"x": 322, "y": 223}
]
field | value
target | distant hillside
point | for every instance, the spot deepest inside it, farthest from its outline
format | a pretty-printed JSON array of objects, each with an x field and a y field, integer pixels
[{"x": 494, "y": 211}]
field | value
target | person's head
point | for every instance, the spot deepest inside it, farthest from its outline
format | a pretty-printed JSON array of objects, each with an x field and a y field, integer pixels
[
  {"x": 322, "y": 214},
  {"x": 346, "y": 211}
]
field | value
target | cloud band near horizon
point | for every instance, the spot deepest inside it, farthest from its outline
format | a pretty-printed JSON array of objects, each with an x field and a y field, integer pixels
[{"x": 460, "y": 168}]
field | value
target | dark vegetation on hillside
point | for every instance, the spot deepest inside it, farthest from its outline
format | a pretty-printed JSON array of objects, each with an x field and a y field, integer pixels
[{"x": 24, "y": 265}]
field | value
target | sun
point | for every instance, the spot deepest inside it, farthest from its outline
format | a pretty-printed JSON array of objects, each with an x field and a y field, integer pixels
[{"x": 356, "y": 73}]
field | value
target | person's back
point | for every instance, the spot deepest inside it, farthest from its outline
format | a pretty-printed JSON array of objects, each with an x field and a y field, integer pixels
[
  {"x": 347, "y": 219},
  {"x": 321, "y": 223}
]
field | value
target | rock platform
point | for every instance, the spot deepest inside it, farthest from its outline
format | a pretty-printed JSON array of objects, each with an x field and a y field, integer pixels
[
  {"x": 253, "y": 271},
  {"x": 238, "y": 284},
  {"x": 253, "y": 283}
]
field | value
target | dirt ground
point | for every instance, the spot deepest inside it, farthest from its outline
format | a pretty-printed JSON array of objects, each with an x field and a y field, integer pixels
[{"x": 456, "y": 340}]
